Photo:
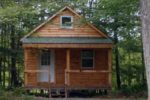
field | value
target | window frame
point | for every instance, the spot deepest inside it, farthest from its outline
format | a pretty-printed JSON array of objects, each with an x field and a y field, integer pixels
[
  {"x": 65, "y": 27},
  {"x": 41, "y": 52},
  {"x": 93, "y": 58}
]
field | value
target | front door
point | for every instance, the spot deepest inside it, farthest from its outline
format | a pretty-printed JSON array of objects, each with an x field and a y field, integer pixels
[{"x": 46, "y": 63}]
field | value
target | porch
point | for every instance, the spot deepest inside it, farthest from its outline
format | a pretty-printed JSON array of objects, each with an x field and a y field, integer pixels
[{"x": 68, "y": 71}]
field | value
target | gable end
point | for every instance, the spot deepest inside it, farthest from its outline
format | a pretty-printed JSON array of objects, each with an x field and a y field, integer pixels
[{"x": 97, "y": 32}]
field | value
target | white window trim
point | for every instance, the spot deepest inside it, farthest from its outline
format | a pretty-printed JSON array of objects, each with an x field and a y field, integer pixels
[{"x": 66, "y": 27}]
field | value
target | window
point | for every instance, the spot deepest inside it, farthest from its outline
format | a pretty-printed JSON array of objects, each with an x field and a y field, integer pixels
[
  {"x": 66, "y": 22},
  {"x": 87, "y": 58},
  {"x": 45, "y": 57}
]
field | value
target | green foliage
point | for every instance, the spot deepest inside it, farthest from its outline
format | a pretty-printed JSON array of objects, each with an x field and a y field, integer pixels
[
  {"x": 26, "y": 97},
  {"x": 16, "y": 94},
  {"x": 121, "y": 17},
  {"x": 134, "y": 90},
  {"x": 18, "y": 91}
]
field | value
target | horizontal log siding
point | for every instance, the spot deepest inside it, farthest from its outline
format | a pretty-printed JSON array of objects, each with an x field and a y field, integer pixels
[
  {"x": 76, "y": 79},
  {"x": 60, "y": 65},
  {"x": 31, "y": 63},
  {"x": 80, "y": 29},
  {"x": 86, "y": 80},
  {"x": 89, "y": 79},
  {"x": 101, "y": 59}
]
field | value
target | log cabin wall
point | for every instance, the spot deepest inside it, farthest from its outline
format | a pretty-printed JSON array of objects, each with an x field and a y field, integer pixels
[
  {"x": 90, "y": 79},
  {"x": 80, "y": 79},
  {"x": 31, "y": 63},
  {"x": 100, "y": 59},
  {"x": 60, "y": 66}
]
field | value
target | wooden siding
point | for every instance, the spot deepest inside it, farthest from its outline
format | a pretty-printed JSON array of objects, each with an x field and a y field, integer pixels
[
  {"x": 100, "y": 60},
  {"x": 87, "y": 80},
  {"x": 31, "y": 63},
  {"x": 60, "y": 65},
  {"x": 80, "y": 29},
  {"x": 82, "y": 78},
  {"x": 75, "y": 59},
  {"x": 99, "y": 76}
]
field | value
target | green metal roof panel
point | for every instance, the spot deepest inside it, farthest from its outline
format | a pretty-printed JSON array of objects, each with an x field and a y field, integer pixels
[{"x": 57, "y": 40}]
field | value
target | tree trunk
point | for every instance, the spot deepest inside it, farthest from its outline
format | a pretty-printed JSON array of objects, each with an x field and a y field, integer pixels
[
  {"x": 14, "y": 80},
  {"x": 4, "y": 71},
  {"x": 117, "y": 61},
  {"x": 143, "y": 67},
  {"x": 1, "y": 40},
  {"x": 146, "y": 38},
  {"x": 3, "y": 51},
  {"x": 0, "y": 71},
  {"x": 129, "y": 69}
]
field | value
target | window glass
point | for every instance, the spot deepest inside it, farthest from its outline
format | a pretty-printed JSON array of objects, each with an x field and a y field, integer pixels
[
  {"x": 45, "y": 57},
  {"x": 66, "y": 22},
  {"x": 87, "y": 63},
  {"x": 87, "y": 58}
]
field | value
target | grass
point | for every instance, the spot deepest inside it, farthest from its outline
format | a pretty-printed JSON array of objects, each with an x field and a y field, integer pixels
[
  {"x": 14, "y": 94},
  {"x": 20, "y": 94}
]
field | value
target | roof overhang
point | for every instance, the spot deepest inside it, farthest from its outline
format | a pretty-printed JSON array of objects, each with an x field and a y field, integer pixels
[
  {"x": 61, "y": 40},
  {"x": 66, "y": 42},
  {"x": 67, "y": 45}
]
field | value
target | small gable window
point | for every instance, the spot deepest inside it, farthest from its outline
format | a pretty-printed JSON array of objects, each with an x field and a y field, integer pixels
[{"x": 66, "y": 22}]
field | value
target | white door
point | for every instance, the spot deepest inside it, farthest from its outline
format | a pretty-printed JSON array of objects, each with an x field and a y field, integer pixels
[{"x": 46, "y": 63}]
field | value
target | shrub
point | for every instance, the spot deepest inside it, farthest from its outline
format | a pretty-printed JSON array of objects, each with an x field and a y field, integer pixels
[
  {"x": 18, "y": 91},
  {"x": 25, "y": 97},
  {"x": 16, "y": 94}
]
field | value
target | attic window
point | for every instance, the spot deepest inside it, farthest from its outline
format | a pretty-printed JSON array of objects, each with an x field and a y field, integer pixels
[{"x": 66, "y": 22}]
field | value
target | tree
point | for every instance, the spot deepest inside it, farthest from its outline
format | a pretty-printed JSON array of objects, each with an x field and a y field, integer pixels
[
  {"x": 118, "y": 19},
  {"x": 145, "y": 11}
]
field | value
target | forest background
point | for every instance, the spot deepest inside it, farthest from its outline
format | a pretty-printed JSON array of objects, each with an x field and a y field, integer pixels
[{"x": 119, "y": 19}]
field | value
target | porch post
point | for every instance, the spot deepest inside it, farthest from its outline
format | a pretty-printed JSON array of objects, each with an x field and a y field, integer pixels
[
  {"x": 67, "y": 66},
  {"x": 110, "y": 66},
  {"x": 68, "y": 59},
  {"x": 25, "y": 66},
  {"x": 67, "y": 71}
]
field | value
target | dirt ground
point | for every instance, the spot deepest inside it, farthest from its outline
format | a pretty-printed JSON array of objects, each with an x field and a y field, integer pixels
[{"x": 39, "y": 98}]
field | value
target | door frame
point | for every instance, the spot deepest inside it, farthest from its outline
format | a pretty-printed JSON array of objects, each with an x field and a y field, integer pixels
[{"x": 52, "y": 63}]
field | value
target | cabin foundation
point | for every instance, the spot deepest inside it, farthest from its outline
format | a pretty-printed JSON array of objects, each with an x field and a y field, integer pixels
[{"x": 64, "y": 92}]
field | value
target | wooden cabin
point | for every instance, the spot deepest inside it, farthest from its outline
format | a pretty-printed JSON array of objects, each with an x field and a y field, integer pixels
[{"x": 67, "y": 52}]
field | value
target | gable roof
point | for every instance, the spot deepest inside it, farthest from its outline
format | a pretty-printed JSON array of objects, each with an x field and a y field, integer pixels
[{"x": 49, "y": 19}]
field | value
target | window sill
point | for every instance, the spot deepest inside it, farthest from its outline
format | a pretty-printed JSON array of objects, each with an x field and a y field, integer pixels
[
  {"x": 66, "y": 28},
  {"x": 84, "y": 69}
]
